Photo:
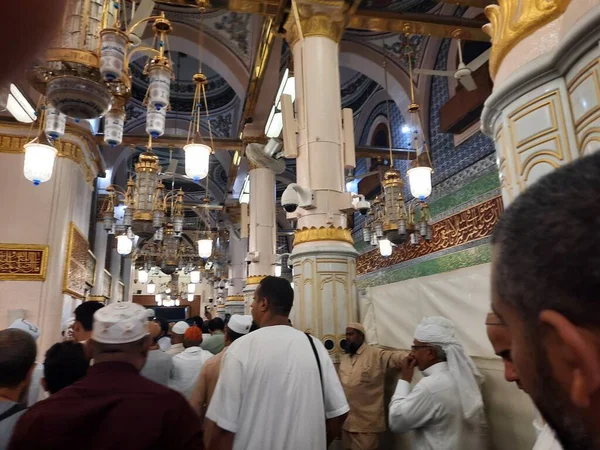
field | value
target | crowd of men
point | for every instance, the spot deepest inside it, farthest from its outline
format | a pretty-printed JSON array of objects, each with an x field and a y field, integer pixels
[{"x": 259, "y": 383}]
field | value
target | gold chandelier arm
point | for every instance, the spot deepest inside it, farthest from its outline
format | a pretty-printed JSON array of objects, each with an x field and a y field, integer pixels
[
  {"x": 150, "y": 50},
  {"x": 145, "y": 20}
]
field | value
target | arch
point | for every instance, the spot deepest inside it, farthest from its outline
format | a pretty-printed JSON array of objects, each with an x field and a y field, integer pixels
[
  {"x": 367, "y": 61},
  {"x": 215, "y": 54},
  {"x": 380, "y": 123}
]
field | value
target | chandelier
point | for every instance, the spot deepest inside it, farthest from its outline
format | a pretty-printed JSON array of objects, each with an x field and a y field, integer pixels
[
  {"x": 390, "y": 222},
  {"x": 87, "y": 71}
]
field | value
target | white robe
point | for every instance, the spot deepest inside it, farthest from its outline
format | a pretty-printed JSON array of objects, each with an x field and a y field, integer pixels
[{"x": 433, "y": 412}]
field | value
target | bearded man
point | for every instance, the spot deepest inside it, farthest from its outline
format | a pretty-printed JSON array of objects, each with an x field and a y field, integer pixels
[
  {"x": 362, "y": 373},
  {"x": 545, "y": 284}
]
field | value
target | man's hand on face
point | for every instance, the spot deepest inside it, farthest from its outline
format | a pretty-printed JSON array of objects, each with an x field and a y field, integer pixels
[{"x": 408, "y": 368}]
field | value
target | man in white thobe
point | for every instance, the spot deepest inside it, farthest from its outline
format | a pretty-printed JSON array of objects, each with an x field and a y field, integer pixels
[
  {"x": 187, "y": 364},
  {"x": 445, "y": 408},
  {"x": 35, "y": 391},
  {"x": 177, "y": 333}
]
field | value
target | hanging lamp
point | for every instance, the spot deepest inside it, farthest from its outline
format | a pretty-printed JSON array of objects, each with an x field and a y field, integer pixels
[
  {"x": 197, "y": 152},
  {"x": 124, "y": 244},
  {"x": 419, "y": 175},
  {"x": 40, "y": 155}
]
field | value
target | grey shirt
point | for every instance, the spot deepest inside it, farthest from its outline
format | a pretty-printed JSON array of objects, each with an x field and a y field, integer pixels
[
  {"x": 7, "y": 425},
  {"x": 158, "y": 367}
]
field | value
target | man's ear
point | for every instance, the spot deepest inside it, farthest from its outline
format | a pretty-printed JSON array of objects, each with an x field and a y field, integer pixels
[{"x": 573, "y": 355}]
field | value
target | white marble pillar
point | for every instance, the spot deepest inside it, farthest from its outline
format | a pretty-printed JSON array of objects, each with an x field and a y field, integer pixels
[
  {"x": 42, "y": 215},
  {"x": 263, "y": 230},
  {"x": 237, "y": 275},
  {"x": 100, "y": 254},
  {"x": 115, "y": 270},
  {"x": 128, "y": 277},
  {"x": 323, "y": 256},
  {"x": 544, "y": 111}
]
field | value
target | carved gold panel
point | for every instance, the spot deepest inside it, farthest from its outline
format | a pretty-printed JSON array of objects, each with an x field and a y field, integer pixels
[
  {"x": 538, "y": 136},
  {"x": 23, "y": 262},
  {"x": 75, "y": 273},
  {"x": 584, "y": 99}
]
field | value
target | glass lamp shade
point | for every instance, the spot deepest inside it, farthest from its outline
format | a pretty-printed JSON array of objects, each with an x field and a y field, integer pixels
[
  {"x": 176, "y": 302},
  {"x": 151, "y": 288},
  {"x": 39, "y": 162},
  {"x": 113, "y": 44},
  {"x": 159, "y": 86},
  {"x": 205, "y": 248},
  {"x": 385, "y": 247},
  {"x": 191, "y": 288},
  {"x": 419, "y": 179},
  {"x": 55, "y": 122},
  {"x": 197, "y": 158},
  {"x": 190, "y": 298},
  {"x": 158, "y": 298},
  {"x": 278, "y": 270},
  {"x": 195, "y": 276},
  {"x": 155, "y": 121},
  {"x": 124, "y": 245},
  {"x": 142, "y": 276},
  {"x": 114, "y": 122}
]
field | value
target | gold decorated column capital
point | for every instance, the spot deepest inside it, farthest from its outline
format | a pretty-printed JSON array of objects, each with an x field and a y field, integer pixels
[
  {"x": 511, "y": 21},
  {"x": 317, "y": 18}
]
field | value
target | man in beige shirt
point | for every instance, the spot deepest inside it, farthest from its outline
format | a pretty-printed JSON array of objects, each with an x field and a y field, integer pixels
[
  {"x": 362, "y": 373},
  {"x": 237, "y": 327}
]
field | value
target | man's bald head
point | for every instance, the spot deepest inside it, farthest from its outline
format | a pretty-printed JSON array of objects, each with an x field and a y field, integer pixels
[
  {"x": 154, "y": 331},
  {"x": 17, "y": 357}
]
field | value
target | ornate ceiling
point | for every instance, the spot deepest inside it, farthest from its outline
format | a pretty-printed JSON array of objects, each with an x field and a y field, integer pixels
[{"x": 232, "y": 46}]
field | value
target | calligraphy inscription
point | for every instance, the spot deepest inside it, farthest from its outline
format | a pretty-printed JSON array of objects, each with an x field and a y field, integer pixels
[
  {"x": 23, "y": 262},
  {"x": 76, "y": 261},
  {"x": 469, "y": 225}
]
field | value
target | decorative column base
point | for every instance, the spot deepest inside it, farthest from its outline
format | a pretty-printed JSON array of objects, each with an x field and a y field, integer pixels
[{"x": 325, "y": 297}]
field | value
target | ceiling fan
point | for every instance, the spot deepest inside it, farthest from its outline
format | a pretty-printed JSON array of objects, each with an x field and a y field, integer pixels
[
  {"x": 464, "y": 71},
  {"x": 349, "y": 175}
]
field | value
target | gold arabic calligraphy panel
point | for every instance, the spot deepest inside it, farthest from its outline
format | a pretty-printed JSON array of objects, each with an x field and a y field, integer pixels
[
  {"x": 76, "y": 273},
  {"x": 23, "y": 262},
  {"x": 469, "y": 225}
]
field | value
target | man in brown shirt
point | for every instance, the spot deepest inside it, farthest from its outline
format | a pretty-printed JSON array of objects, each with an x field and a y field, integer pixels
[
  {"x": 362, "y": 373},
  {"x": 113, "y": 406},
  {"x": 237, "y": 327}
]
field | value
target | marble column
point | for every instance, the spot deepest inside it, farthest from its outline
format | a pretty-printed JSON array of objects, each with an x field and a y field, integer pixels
[
  {"x": 128, "y": 277},
  {"x": 323, "y": 257},
  {"x": 115, "y": 269},
  {"x": 36, "y": 222},
  {"x": 544, "y": 111},
  {"x": 237, "y": 275},
  {"x": 263, "y": 230},
  {"x": 100, "y": 244}
]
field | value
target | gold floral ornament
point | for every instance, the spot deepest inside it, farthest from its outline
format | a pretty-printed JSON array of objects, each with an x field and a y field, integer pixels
[{"x": 511, "y": 21}]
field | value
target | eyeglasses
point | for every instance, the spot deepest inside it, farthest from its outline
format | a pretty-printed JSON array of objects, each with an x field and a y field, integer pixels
[{"x": 417, "y": 347}]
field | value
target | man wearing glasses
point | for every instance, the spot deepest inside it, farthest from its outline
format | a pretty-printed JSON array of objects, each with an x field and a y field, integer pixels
[{"x": 445, "y": 408}]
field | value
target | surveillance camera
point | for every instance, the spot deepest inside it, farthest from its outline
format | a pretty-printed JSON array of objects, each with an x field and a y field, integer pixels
[
  {"x": 363, "y": 207},
  {"x": 290, "y": 199}
]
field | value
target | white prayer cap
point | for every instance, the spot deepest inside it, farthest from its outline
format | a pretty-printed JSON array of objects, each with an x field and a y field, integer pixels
[
  {"x": 180, "y": 327},
  {"x": 441, "y": 332},
  {"x": 28, "y": 327},
  {"x": 120, "y": 323},
  {"x": 435, "y": 330},
  {"x": 240, "y": 324}
]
